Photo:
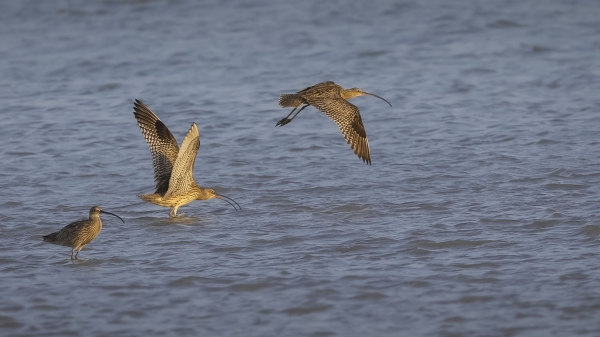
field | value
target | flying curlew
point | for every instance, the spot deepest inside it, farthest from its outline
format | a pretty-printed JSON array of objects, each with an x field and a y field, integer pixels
[
  {"x": 79, "y": 233},
  {"x": 332, "y": 100},
  {"x": 173, "y": 167}
]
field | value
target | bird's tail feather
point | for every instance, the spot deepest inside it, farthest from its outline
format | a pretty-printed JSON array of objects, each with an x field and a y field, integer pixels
[
  {"x": 291, "y": 101},
  {"x": 50, "y": 237}
]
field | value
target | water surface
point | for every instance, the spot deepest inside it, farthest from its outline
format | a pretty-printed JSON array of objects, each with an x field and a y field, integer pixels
[{"x": 478, "y": 216}]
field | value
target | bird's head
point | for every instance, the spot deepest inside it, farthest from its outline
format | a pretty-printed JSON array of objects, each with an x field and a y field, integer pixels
[
  {"x": 351, "y": 93},
  {"x": 209, "y": 193},
  {"x": 96, "y": 210},
  {"x": 356, "y": 92}
]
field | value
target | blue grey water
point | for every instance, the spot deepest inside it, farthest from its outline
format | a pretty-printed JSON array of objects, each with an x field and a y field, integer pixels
[{"x": 479, "y": 216}]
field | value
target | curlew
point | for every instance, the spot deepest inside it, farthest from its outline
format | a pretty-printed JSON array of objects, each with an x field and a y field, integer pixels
[
  {"x": 173, "y": 167},
  {"x": 79, "y": 233},
  {"x": 332, "y": 100}
]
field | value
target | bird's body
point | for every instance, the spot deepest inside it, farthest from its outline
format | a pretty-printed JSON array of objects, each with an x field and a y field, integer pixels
[
  {"x": 175, "y": 201},
  {"x": 173, "y": 167},
  {"x": 79, "y": 233},
  {"x": 332, "y": 100},
  {"x": 297, "y": 99}
]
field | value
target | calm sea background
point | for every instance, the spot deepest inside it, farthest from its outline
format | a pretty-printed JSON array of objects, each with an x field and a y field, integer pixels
[{"x": 478, "y": 217}]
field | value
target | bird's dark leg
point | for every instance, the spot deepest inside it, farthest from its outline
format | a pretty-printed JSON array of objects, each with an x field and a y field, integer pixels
[
  {"x": 72, "y": 251},
  {"x": 287, "y": 120},
  {"x": 298, "y": 112},
  {"x": 282, "y": 121}
]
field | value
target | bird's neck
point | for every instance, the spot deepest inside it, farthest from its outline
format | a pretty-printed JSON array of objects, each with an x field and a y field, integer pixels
[
  {"x": 96, "y": 219},
  {"x": 348, "y": 94}
]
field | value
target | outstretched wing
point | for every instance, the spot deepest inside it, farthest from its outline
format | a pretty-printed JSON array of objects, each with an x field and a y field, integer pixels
[
  {"x": 183, "y": 170},
  {"x": 163, "y": 146},
  {"x": 347, "y": 116}
]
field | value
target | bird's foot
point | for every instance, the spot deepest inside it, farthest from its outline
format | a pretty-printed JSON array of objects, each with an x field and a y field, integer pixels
[
  {"x": 283, "y": 122},
  {"x": 175, "y": 216}
]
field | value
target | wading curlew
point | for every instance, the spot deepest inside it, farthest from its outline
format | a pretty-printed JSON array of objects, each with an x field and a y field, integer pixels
[
  {"x": 79, "y": 233},
  {"x": 173, "y": 167},
  {"x": 332, "y": 100}
]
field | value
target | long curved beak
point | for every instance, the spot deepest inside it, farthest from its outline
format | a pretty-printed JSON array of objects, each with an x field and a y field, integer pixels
[
  {"x": 381, "y": 98},
  {"x": 224, "y": 198},
  {"x": 112, "y": 215}
]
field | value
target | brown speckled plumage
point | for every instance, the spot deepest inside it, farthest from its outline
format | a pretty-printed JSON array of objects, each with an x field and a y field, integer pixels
[
  {"x": 173, "y": 167},
  {"x": 79, "y": 233},
  {"x": 332, "y": 100},
  {"x": 163, "y": 146}
]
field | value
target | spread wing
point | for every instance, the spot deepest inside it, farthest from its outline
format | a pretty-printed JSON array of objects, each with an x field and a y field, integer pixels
[
  {"x": 183, "y": 170},
  {"x": 347, "y": 117},
  {"x": 163, "y": 145}
]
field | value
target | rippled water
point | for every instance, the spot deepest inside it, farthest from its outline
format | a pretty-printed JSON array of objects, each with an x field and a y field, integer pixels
[{"x": 478, "y": 216}]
